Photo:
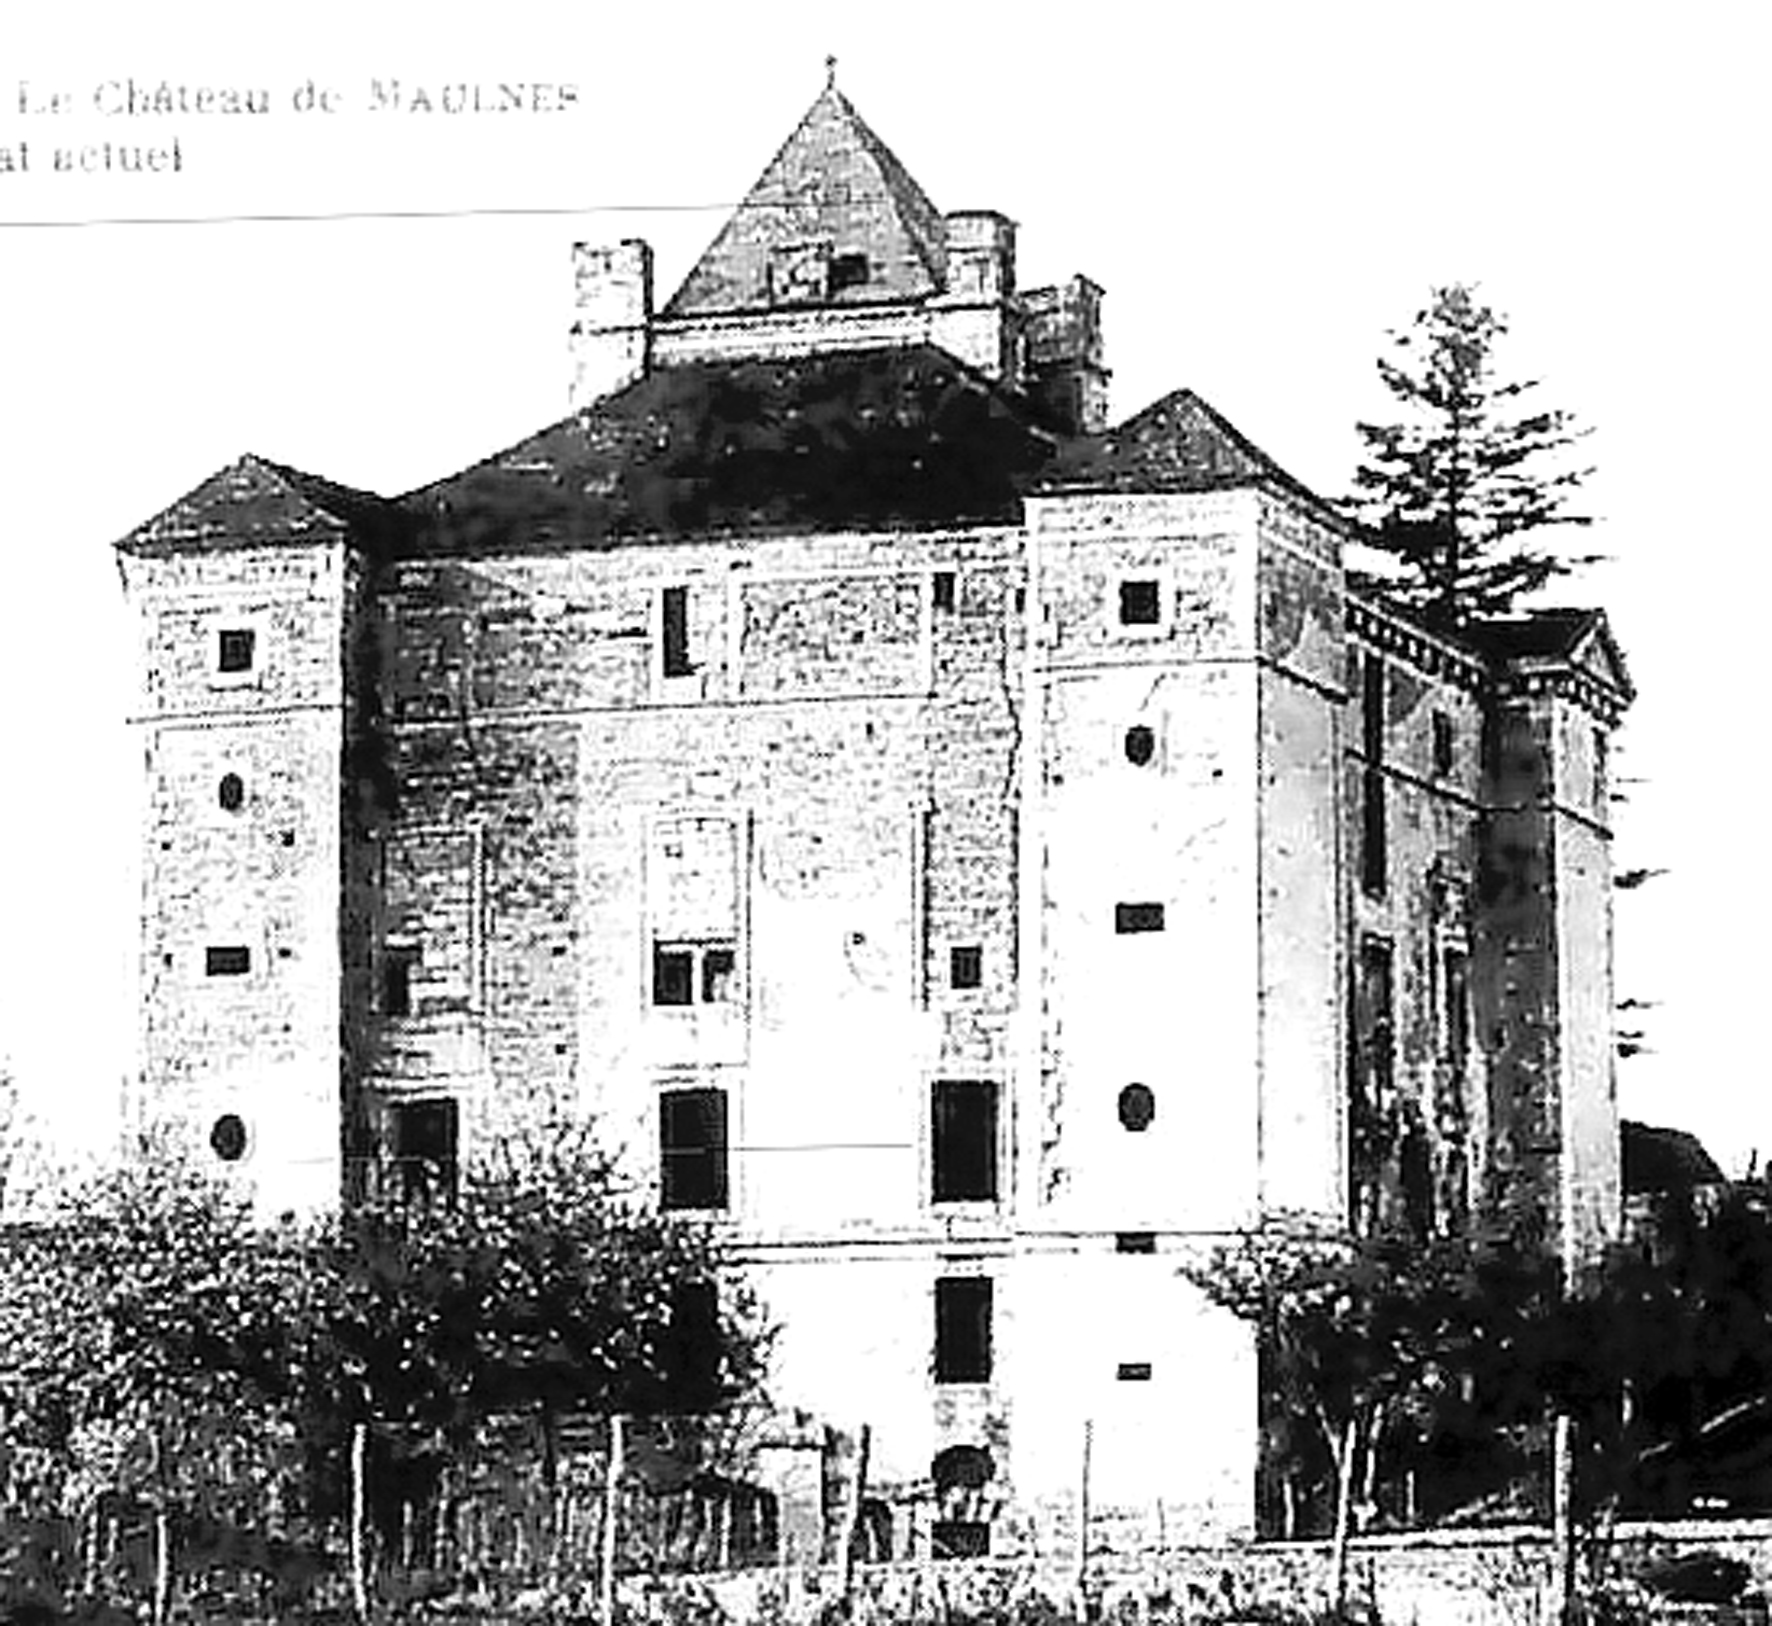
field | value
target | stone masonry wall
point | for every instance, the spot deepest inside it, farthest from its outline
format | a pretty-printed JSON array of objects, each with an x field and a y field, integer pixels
[
  {"x": 1427, "y": 912},
  {"x": 241, "y": 866}
]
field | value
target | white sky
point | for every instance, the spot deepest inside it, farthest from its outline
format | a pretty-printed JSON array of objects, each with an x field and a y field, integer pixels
[{"x": 1263, "y": 190}]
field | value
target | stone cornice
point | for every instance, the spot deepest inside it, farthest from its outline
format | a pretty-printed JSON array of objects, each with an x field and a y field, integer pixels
[
  {"x": 1429, "y": 651},
  {"x": 1562, "y": 680}
]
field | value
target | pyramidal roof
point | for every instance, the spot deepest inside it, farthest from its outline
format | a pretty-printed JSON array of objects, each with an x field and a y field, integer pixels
[
  {"x": 254, "y": 501},
  {"x": 836, "y": 189},
  {"x": 1178, "y": 443}
]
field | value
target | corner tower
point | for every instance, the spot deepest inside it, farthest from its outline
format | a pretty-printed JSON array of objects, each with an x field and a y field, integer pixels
[
  {"x": 1545, "y": 939},
  {"x": 243, "y": 594}
]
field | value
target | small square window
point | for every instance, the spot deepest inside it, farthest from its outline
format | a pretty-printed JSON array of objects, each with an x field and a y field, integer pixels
[
  {"x": 673, "y": 975},
  {"x": 963, "y": 1329},
  {"x": 688, "y": 973},
  {"x": 941, "y": 590},
  {"x": 234, "y": 649},
  {"x": 847, "y": 271},
  {"x": 966, "y": 966},
  {"x": 1141, "y": 603},
  {"x": 1137, "y": 917},
  {"x": 227, "y": 960}
]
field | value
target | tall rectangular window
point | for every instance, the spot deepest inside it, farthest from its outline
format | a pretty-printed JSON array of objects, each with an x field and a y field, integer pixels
[
  {"x": 1455, "y": 968},
  {"x": 1374, "y": 1006},
  {"x": 674, "y": 632},
  {"x": 396, "y": 981},
  {"x": 964, "y": 1141},
  {"x": 673, "y": 974},
  {"x": 1374, "y": 846},
  {"x": 1600, "y": 804},
  {"x": 963, "y": 1329},
  {"x": 690, "y": 1356},
  {"x": 424, "y": 1139},
  {"x": 692, "y": 904},
  {"x": 1443, "y": 741},
  {"x": 692, "y": 1149},
  {"x": 1371, "y": 1081}
]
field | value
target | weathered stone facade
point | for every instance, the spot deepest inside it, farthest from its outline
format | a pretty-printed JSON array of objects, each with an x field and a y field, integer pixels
[{"x": 974, "y": 854}]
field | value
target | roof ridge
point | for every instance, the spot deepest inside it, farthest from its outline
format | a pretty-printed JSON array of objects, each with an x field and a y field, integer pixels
[{"x": 316, "y": 489}]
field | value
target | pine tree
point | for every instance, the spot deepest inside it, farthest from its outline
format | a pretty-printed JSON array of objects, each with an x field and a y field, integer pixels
[{"x": 1456, "y": 490}]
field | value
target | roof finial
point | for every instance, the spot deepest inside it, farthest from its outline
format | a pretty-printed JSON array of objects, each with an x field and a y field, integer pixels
[{"x": 830, "y": 73}]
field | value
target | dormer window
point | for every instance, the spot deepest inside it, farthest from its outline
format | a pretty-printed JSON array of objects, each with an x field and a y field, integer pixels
[{"x": 848, "y": 271}]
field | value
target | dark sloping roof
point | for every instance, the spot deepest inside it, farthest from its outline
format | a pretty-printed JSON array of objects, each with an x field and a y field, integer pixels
[
  {"x": 254, "y": 501},
  {"x": 858, "y": 439},
  {"x": 1176, "y": 444},
  {"x": 1664, "y": 1160},
  {"x": 843, "y": 440},
  {"x": 1541, "y": 635},
  {"x": 833, "y": 182},
  {"x": 1578, "y": 637}
]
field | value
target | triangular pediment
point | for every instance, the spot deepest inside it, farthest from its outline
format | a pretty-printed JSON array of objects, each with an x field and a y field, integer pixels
[
  {"x": 1597, "y": 653},
  {"x": 254, "y": 501},
  {"x": 835, "y": 218}
]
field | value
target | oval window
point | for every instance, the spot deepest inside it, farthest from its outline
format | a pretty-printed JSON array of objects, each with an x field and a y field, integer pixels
[
  {"x": 231, "y": 793},
  {"x": 1137, "y": 1107},
  {"x": 1141, "y": 745},
  {"x": 227, "y": 1139}
]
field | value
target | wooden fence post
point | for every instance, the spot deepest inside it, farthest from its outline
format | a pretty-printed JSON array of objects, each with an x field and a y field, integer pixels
[
  {"x": 359, "y": 1518},
  {"x": 1563, "y": 1517},
  {"x": 1082, "y": 1555},
  {"x": 162, "y": 1600},
  {"x": 611, "y": 1518},
  {"x": 162, "y": 1560},
  {"x": 852, "y": 1514}
]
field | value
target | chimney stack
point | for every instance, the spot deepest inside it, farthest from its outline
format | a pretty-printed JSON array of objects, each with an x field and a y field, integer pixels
[
  {"x": 1064, "y": 369},
  {"x": 612, "y": 326},
  {"x": 974, "y": 316}
]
